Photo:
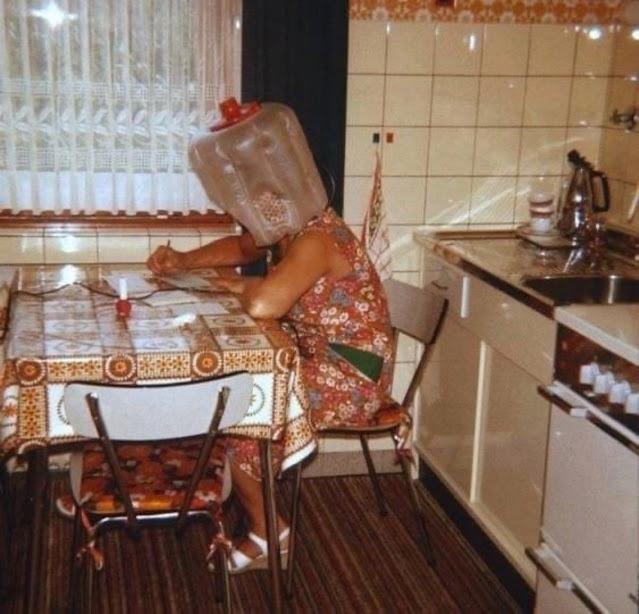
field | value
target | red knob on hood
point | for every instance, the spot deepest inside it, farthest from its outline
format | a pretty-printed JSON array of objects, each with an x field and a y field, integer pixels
[{"x": 233, "y": 112}]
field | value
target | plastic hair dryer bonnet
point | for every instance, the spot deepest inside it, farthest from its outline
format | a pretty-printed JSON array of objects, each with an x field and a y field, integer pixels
[{"x": 256, "y": 165}]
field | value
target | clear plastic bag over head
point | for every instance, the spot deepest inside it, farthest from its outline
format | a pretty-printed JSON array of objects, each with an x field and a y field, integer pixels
[{"x": 256, "y": 165}]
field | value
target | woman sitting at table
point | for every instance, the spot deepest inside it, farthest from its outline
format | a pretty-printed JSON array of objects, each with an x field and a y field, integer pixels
[{"x": 321, "y": 283}]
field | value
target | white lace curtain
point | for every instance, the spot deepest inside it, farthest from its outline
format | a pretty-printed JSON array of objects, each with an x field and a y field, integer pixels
[{"x": 98, "y": 100}]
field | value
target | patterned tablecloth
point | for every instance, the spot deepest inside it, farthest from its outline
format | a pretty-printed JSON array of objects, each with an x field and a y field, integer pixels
[{"x": 73, "y": 333}]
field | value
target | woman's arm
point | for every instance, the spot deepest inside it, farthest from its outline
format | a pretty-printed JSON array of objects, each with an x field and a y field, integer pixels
[
  {"x": 235, "y": 250},
  {"x": 307, "y": 259}
]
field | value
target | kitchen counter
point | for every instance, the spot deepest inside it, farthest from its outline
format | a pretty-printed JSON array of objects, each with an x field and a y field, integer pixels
[{"x": 503, "y": 260}]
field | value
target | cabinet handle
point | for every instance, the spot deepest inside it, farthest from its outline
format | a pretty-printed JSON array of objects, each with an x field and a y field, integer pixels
[
  {"x": 563, "y": 584},
  {"x": 583, "y": 412},
  {"x": 439, "y": 286}
]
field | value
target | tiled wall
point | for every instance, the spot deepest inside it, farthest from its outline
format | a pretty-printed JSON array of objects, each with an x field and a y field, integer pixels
[
  {"x": 31, "y": 246},
  {"x": 620, "y": 147},
  {"x": 467, "y": 115}
]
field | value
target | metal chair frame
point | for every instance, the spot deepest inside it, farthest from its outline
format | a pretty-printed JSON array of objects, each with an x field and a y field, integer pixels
[
  {"x": 134, "y": 521},
  {"x": 426, "y": 334}
]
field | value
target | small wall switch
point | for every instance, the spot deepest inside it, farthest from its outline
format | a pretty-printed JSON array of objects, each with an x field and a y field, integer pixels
[
  {"x": 375, "y": 137},
  {"x": 390, "y": 137}
]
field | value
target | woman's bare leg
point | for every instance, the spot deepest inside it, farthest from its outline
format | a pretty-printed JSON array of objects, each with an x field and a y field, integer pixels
[{"x": 249, "y": 492}]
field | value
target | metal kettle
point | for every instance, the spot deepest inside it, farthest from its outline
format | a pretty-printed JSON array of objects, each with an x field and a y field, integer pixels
[{"x": 588, "y": 193}]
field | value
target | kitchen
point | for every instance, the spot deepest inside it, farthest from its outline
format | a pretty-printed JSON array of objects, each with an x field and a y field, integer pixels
[{"x": 468, "y": 106}]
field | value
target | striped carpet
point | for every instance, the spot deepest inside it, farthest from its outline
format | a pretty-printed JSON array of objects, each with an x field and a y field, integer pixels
[{"x": 349, "y": 560}]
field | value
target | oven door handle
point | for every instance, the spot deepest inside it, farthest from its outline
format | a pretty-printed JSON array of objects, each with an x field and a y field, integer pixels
[
  {"x": 539, "y": 556},
  {"x": 583, "y": 412},
  {"x": 550, "y": 395}
]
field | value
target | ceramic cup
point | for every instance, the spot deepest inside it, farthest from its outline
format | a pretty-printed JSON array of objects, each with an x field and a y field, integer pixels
[{"x": 541, "y": 224}]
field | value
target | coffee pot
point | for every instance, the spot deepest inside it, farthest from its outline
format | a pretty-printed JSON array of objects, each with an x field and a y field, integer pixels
[{"x": 587, "y": 193}]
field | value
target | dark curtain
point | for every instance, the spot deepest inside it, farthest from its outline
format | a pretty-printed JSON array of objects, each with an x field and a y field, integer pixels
[{"x": 295, "y": 52}]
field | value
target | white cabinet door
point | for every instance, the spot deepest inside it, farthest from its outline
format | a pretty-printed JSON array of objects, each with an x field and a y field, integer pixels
[
  {"x": 591, "y": 509},
  {"x": 551, "y": 600},
  {"x": 448, "y": 398},
  {"x": 511, "y": 454}
]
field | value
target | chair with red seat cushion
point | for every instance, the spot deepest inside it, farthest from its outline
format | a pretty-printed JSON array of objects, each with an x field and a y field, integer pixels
[
  {"x": 155, "y": 461},
  {"x": 417, "y": 313}
]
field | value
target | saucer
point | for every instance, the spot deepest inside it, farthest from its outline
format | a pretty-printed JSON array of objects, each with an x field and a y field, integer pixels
[{"x": 527, "y": 230}]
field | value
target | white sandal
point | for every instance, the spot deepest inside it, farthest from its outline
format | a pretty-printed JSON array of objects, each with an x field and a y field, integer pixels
[{"x": 238, "y": 562}]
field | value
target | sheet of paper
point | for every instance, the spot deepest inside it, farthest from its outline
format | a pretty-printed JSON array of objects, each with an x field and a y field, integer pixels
[
  {"x": 135, "y": 283},
  {"x": 171, "y": 297},
  {"x": 186, "y": 281},
  {"x": 7, "y": 275},
  {"x": 208, "y": 308}
]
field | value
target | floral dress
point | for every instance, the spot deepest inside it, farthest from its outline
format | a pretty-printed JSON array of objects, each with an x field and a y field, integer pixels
[
  {"x": 352, "y": 312},
  {"x": 348, "y": 312}
]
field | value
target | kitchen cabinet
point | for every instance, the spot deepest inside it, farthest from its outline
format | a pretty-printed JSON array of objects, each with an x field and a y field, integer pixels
[{"x": 482, "y": 427}]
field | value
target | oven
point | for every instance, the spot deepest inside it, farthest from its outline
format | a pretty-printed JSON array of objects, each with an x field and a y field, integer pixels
[{"x": 588, "y": 553}]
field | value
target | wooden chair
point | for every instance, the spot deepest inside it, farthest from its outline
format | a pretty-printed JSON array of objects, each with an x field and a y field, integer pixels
[
  {"x": 123, "y": 481},
  {"x": 418, "y": 313}
]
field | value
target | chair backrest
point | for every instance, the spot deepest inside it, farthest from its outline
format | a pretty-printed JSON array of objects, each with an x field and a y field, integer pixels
[
  {"x": 156, "y": 412},
  {"x": 151, "y": 413},
  {"x": 419, "y": 313}
]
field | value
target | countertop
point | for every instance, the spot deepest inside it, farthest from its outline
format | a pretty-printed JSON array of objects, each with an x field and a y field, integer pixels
[{"x": 501, "y": 258}]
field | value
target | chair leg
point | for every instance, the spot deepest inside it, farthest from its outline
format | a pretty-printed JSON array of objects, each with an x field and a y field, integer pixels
[
  {"x": 292, "y": 538},
  {"x": 74, "y": 588},
  {"x": 5, "y": 530},
  {"x": 38, "y": 483},
  {"x": 379, "y": 495},
  {"x": 412, "y": 493},
  {"x": 268, "y": 492},
  {"x": 224, "y": 581}
]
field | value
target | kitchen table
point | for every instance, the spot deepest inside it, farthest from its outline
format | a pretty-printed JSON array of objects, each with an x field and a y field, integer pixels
[{"x": 63, "y": 327}]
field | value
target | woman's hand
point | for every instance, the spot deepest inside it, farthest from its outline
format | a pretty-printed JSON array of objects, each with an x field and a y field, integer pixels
[{"x": 165, "y": 260}]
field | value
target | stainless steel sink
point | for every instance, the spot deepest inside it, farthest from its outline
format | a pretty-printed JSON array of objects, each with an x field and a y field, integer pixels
[{"x": 596, "y": 289}]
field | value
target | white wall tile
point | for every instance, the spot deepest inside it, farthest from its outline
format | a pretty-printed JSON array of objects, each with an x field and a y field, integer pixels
[
  {"x": 357, "y": 192},
  {"x": 408, "y": 152},
  {"x": 404, "y": 199},
  {"x": 360, "y": 150},
  {"x": 594, "y": 50},
  {"x": 22, "y": 249},
  {"x": 501, "y": 101},
  {"x": 588, "y": 101},
  {"x": 451, "y": 151},
  {"x": 585, "y": 140},
  {"x": 542, "y": 151},
  {"x": 547, "y": 101},
  {"x": 497, "y": 151},
  {"x": 552, "y": 49},
  {"x": 366, "y": 46},
  {"x": 458, "y": 48},
  {"x": 408, "y": 100},
  {"x": 493, "y": 200},
  {"x": 70, "y": 248},
  {"x": 448, "y": 200},
  {"x": 405, "y": 253},
  {"x": 455, "y": 101},
  {"x": 505, "y": 49},
  {"x": 123, "y": 248},
  {"x": 410, "y": 48},
  {"x": 364, "y": 100}
]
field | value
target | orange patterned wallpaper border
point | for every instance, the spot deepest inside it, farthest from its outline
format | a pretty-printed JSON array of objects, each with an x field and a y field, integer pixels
[{"x": 489, "y": 11}]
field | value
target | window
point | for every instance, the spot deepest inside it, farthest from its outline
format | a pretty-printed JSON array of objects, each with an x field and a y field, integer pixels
[{"x": 98, "y": 100}]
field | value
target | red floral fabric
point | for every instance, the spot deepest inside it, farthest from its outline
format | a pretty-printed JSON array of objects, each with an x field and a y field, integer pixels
[{"x": 351, "y": 311}]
